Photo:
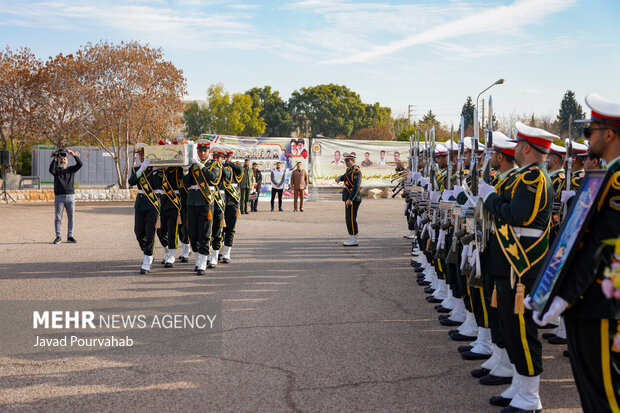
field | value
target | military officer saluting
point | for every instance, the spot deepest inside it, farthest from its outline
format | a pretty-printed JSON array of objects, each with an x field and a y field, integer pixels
[
  {"x": 201, "y": 180},
  {"x": 147, "y": 206},
  {"x": 232, "y": 198},
  {"x": 521, "y": 217},
  {"x": 592, "y": 319},
  {"x": 352, "y": 197}
]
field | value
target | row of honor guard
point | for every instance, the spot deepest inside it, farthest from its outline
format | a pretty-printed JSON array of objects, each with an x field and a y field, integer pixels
[
  {"x": 196, "y": 206},
  {"x": 482, "y": 286}
]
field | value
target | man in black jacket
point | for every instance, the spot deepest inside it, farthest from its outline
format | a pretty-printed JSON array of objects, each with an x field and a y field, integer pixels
[{"x": 64, "y": 193}]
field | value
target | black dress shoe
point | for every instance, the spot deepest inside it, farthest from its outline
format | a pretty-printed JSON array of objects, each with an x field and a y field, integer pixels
[
  {"x": 163, "y": 261},
  {"x": 499, "y": 401},
  {"x": 71, "y": 240},
  {"x": 557, "y": 340},
  {"x": 481, "y": 372},
  {"x": 429, "y": 290},
  {"x": 464, "y": 348},
  {"x": 442, "y": 309},
  {"x": 225, "y": 260},
  {"x": 200, "y": 272},
  {"x": 547, "y": 326},
  {"x": 168, "y": 265},
  {"x": 433, "y": 300},
  {"x": 461, "y": 337},
  {"x": 280, "y": 210},
  {"x": 143, "y": 271},
  {"x": 511, "y": 409},
  {"x": 57, "y": 240},
  {"x": 547, "y": 336},
  {"x": 448, "y": 322},
  {"x": 565, "y": 353},
  {"x": 453, "y": 331},
  {"x": 491, "y": 380},
  {"x": 470, "y": 355},
  {"x": 195, "y": 268},
  {"x": 424, "y": 283},
  {"x": 183, "y": 259},
  {"x": 443, "y": 316},
  {"x": 419, "y": 269}
]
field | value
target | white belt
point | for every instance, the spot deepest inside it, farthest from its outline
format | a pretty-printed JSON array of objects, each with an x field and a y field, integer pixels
[
  {"x": 196, "y": 187},
  {"x": 156, "y": 191},
  {"x": 528, "y": 232}
]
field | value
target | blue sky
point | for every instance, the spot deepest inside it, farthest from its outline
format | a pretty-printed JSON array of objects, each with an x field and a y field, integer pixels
[{"x": 431, "y": 54}]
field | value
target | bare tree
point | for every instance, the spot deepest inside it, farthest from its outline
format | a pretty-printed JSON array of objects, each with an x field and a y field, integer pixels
[
  {"x": 17, "y": 72},
  {"x": 134, "y": 95}
]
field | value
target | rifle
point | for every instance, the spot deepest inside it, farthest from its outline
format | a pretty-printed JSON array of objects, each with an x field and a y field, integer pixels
[
  {"x": 449, "y": 178},
  {"x": 461, "y": 152},
  {"x": 569, "y": 160}
]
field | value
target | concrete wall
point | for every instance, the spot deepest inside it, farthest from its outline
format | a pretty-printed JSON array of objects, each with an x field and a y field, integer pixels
[{"x": 81, "y": 195}]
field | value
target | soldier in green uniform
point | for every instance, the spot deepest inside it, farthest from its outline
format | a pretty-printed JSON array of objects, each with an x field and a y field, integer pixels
[
  {"x": 352, "y": 179},
  {"x": 218, "y": 154},
  {"x": 501, "y": 370},
  {"x": 201, "y": 180},
  {"x": 232, "y": 198},
  {"x": 497, "y": 369},
  {"x": 521, "y": 218},
  {"x": 555, "y": 167},
  {"x": 147, "y": 206},
  {"x": 186, "y": 249},
  {"x": 170, "y": 211},
  {"x": 592, "y": 319}
]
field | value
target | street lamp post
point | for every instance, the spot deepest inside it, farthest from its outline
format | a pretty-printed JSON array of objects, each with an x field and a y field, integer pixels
[{"x": 499, "y": 82}]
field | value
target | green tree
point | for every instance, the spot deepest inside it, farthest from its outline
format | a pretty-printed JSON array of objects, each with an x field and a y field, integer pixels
[
  {"x": 273, "y": 110},
  {"x": 569, "y": 106},
  {"x": 333, "y": 110},
  {"x": 429, "y": 120},
  {"x": 406, "y": 133},
  {"x": 231, "y": 115},
  {"x": 194, "y": 120},
  {"x": 468, "y": 112}
]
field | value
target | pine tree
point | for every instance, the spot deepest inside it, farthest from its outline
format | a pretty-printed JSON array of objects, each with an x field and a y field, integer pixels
[
  {"x": 468, "y": 112},
  {"x": 569, "y": 106}
]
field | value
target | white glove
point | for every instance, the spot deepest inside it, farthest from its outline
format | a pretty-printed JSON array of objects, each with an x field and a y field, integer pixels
[
  {"x": 567, "y": 195},
  {"x": 528, "y": 302},
  {"x": 435, "y": 196},
  {"x": 472, "y": 260},
  {"x": 416, "y": 176},
  {"x": 457, "y": 190},
  {"x": 143, "y": 166},
  {"x": 464, "y": 256},
  {"x": 473, "y": 201},
  {"x": 484, "y": 189},
  {"x": 424, "y": 181},
  {"x": 441, "y": 238},
  {"x": 557, "y": 307},
  {"x": 197, "y": 162}
]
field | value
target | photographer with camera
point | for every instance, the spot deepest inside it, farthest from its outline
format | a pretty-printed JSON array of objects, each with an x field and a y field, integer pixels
[{"x": 64, "y": 189}]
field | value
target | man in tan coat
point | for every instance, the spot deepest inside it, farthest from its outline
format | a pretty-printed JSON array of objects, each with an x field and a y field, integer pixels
[{"x": 299, "y": 182}]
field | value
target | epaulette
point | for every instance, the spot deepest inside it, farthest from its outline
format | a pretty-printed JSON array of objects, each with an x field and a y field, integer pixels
[{"x": 561, "y": 175}]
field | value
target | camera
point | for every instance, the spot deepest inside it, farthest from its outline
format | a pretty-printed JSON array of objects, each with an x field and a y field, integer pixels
[{"x": 60, "y": 153}]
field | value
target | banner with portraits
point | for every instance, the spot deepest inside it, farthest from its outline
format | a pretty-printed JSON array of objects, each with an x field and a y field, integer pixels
[
  {"x": 267, "y": 152},
  {"x": 378, "y": 160}
]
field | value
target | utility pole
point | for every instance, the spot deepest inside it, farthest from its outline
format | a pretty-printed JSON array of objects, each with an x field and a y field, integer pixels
[{"x": 410, "y": 113}]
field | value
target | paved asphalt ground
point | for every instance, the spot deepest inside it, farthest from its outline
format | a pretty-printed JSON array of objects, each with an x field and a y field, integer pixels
[{"x": 307, "y": 324}]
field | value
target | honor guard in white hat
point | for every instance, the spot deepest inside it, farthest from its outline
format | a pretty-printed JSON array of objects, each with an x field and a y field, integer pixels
[
  {"x": 232, "y": 198},
  {"x": 521, "y": 212},
  {"x": 147, "y": 206},
  {"x": 591, "y": 314},
  {"x": 218, "y": 153},
  {"x": 201, "y": 180},
  {"x": 351, "y": 195}
]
